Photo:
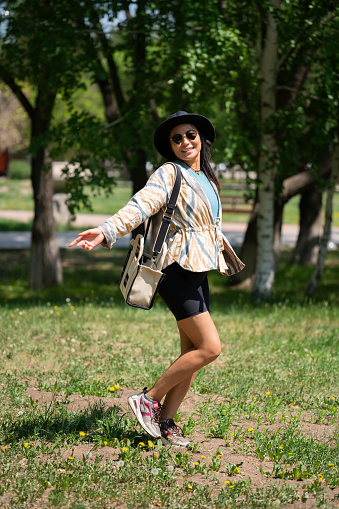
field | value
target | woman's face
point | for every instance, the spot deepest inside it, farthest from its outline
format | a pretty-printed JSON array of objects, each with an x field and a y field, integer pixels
[{"x": 187, "y": 150}]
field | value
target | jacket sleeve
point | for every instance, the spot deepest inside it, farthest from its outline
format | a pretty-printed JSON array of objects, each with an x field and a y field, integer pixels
[{"x": 144, "y": 204}]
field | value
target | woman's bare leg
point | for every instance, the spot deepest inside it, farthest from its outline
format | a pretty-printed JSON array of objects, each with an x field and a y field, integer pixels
[
  {"x": 175, "y": 396},
  {"x": 203, "y": 334}
]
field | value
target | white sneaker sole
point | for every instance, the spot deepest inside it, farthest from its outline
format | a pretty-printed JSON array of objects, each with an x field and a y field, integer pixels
[
  {"x": 173, "y": 444},
  {"x": 134, "y": 405}
]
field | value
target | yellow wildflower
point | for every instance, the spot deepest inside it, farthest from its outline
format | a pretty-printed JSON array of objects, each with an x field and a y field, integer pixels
[
  {"x": 82, "y": 433},
  {"x": 250, "y": 429},
  {"x": 331, "y": 464},
  {"x": 189, "y": 487},
  {"x": 203, "y": 457},
  {"x": 142, "y": 444},
  {"x": 280, "y": 447},
  {"x": 69, "y": 458},
  {"x": 150, "y": 444},
  {"x": 227, "y": 482},
  {"x": 111, "y": 389},
  {"x": 238, "y": 470},
  {"x": 117, "y": 386},
  {"x": 268, "y": 393},
  {"x": 125, "y": 449},
  {"x": 196, "y": 463},
  {"x": 26, "y": 444},
  {"x": 105, "y": 443}
]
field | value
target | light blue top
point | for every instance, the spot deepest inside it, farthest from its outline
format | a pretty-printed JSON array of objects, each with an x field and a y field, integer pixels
[{"x": 207, "y": 188}]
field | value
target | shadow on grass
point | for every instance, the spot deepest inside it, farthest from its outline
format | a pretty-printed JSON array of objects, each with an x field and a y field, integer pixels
[
  {"x": 54, "y": 422},
  {"x": 95, "y": 275}
]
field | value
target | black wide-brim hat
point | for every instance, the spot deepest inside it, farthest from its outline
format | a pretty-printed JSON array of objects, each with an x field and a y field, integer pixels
[{"x": 161, "y": 136}]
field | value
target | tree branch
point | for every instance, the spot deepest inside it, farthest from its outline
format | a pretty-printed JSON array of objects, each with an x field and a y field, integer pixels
[
  {"x": 297, "y": 91},
  {"x": 108, "y": 54},
  {"x": 17, "y": 90}
]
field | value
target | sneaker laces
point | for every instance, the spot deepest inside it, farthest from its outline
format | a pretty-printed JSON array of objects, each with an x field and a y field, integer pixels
[
  {"x": 176, "y": 430},
  {"x": 155, "y": 413}
]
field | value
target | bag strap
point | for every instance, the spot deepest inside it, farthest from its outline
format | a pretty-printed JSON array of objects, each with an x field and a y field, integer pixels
[{"x": 166, "y": 220}]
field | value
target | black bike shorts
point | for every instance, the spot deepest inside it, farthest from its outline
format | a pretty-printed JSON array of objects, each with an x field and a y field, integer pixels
[{"x": 186, "y": 293}]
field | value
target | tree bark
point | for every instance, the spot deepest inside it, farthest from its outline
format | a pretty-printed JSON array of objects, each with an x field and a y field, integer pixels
[
  {"x": 45, "y": 263},
  {"x": 310, "y": 207},
  {"x": 264, "y": 275},
  {"x": 248, "y": 252},
  {"x": 319, "y": 269}
]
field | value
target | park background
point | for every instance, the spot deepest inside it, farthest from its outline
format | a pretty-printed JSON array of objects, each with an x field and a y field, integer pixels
[{"x": 86, "y": 83}]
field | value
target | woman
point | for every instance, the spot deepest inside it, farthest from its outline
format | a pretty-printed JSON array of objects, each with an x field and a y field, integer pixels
[{"x": 195, "y": 245}]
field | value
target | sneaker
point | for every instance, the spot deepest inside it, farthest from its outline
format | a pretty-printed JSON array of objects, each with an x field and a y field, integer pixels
[
  {"x": 171, "y": 434},
  {"x": 147, "y": 413}
]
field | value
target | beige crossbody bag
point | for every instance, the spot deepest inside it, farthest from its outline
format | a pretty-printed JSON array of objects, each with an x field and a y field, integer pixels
[{"x": 141, "y": 274}]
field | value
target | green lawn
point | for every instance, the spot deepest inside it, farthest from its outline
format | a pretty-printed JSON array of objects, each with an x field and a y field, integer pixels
[{"x": 263, "y": 418}]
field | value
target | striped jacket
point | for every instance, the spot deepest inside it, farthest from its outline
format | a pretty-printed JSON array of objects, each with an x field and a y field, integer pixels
[{"x": 194, "y": 240}]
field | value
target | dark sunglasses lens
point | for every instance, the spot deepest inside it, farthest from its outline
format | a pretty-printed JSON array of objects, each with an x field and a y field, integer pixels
[
  {"x": 177, "y": 138},
  {"x": 191, "y": 135}
]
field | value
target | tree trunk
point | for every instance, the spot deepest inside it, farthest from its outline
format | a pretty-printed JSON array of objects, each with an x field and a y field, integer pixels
[
  {"x": 310, "y": 221},
  {"x": 139, "y": 179},
  {"x": 45, "y": 264},
  {"x": 248, "y": 252},
  {"x": 264, "y": 275},
  {"x": 319, "y": 269}
]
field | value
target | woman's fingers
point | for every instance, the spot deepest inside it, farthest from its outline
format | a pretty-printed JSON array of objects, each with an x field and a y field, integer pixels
[
  {"x": 75, "y": 241},
  {"x": 88, "y": 239}
]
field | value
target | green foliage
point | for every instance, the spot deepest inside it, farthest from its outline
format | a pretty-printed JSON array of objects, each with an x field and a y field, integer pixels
[{"x": 19, "y": 170}]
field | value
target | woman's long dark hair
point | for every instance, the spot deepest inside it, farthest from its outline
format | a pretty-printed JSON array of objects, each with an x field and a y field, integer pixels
[{"x": 205, "y": 157}]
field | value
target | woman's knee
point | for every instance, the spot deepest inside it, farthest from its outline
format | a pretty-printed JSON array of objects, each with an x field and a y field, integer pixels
[{"x": 212, "y": 351}]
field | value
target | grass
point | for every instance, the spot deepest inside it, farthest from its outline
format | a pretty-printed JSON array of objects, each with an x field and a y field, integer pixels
[{"x": 263, "y": 418}]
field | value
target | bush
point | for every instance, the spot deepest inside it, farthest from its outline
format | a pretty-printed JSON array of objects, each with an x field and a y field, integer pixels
[{"x": 19, "y": 169}]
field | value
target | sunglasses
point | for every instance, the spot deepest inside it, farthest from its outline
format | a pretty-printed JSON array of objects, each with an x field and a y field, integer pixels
[{"x": 190, "y": 135}]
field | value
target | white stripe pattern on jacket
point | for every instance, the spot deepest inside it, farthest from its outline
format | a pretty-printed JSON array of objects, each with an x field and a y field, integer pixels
[{"x": 194, "y": 240}]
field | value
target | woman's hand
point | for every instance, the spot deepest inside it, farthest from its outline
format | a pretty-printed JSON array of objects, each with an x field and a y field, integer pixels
[{"x": 89, "y": 239}]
